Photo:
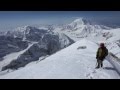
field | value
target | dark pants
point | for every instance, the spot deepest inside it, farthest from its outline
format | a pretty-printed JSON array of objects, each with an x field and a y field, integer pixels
[{"x": 99, "y": 63}]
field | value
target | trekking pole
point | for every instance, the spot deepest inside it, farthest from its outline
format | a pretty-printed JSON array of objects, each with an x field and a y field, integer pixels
[{"x": 96, "y": 63}]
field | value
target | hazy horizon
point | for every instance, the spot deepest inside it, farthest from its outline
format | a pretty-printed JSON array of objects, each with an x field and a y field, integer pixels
[{"x": 13, "y": 19}]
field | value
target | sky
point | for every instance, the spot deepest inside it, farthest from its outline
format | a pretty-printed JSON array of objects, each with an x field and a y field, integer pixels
[{"x": 12, "y": 19}]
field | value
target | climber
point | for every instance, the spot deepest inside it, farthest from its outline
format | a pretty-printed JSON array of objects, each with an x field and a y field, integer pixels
[{"x": 102, "y": 52}]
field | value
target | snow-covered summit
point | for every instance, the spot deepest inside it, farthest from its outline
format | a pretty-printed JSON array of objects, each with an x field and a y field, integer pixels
[
  {"x": 21, "y": 29},
  {"x": 80, "y": 21}
]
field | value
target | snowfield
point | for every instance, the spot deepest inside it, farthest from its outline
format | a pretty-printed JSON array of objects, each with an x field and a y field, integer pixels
[{"x": 72, "y": 62}]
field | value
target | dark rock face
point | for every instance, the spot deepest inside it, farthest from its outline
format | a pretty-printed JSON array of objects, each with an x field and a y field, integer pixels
[
  {"x": 47, "y": 45},
  {"x": 9, "y": 44}
]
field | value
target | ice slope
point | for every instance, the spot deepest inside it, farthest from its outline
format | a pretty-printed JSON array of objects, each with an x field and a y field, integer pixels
[
  {"x": 10, "y": 57},
  {"x": 72, "y": 62}
]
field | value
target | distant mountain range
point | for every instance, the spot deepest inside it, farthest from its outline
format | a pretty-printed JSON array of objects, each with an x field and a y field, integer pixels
[{"x": 38, "y": 41}]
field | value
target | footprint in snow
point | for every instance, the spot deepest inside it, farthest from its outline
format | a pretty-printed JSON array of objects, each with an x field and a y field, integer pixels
[
  {"x": 94, "y": 71},
  {"x": 89, "y": 76}
]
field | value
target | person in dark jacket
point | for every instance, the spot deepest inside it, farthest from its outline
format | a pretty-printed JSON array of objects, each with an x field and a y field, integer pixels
[{"x": 102, "y": 52}]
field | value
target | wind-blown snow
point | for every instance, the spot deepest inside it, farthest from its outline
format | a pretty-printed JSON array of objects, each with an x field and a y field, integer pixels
[{"x": 69, "y": 63}]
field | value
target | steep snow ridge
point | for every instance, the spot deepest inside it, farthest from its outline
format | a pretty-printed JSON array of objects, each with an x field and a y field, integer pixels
[
  {"x": 115, "y": 62},
  {"x": 64, "y": 40},
  {"x": 13, "y": 56},
  {"x": 74, "y": 64}
]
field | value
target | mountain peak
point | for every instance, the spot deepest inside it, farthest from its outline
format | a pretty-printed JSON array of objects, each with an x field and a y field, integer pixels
[
  {"x": 78, "y": 23},
  {"x": 81, "y": 21},
  {"x": 78, "y": 20},
  {"x": 21, "y": 29}
]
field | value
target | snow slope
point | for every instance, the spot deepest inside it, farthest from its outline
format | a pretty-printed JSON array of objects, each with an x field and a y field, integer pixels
[
  {"x": 10, "y": 57},
  {"x": 72, "y": 62}
]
